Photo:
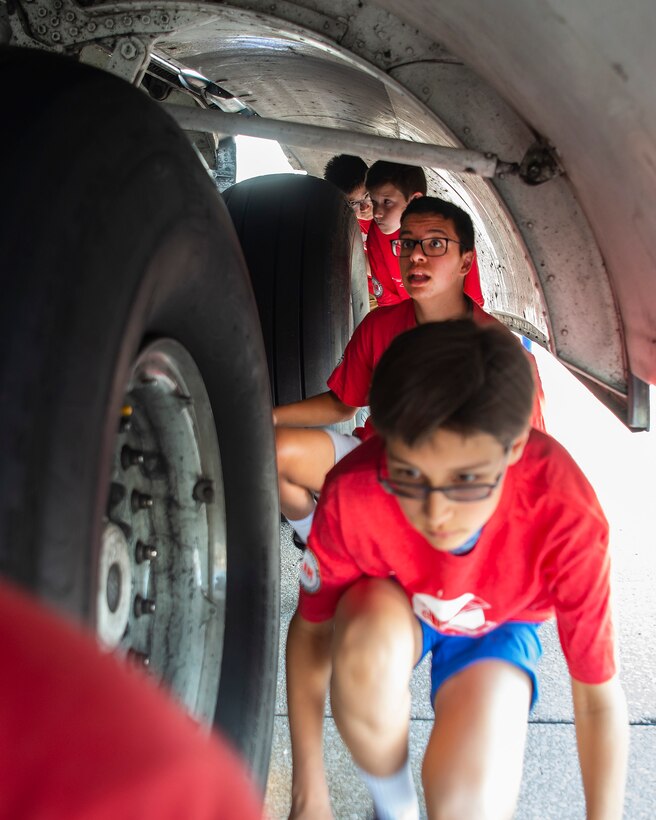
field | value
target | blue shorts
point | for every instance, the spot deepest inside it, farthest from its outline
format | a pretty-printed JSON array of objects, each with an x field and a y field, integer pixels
[{"x": 515, "y": 642}]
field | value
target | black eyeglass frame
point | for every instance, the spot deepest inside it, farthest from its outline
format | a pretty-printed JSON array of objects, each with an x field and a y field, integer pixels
[
  {"x": 420, "y": 492},
  {"x": 397, "y": 246}
]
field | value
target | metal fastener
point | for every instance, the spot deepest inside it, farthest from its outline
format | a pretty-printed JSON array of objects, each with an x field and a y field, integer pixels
[
  {"x": 141, "y": 501},
  {"x": 128, "y": 50},
  {"x": 144, "y": 552},
  {"x": 144, "y": 606},
  {"x": 130, "y": 457},
  {"x": 204, "y": 491}
]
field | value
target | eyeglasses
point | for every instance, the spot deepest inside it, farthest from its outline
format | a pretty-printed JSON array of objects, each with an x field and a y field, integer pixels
[
  {"x": 420, "y": 490},
  {"x": 434, "y": 246},
  {"x": 358, "y": 204}
]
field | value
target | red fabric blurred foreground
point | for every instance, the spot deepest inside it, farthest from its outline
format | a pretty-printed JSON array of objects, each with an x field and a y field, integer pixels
[{"x": 84, "y": 736}]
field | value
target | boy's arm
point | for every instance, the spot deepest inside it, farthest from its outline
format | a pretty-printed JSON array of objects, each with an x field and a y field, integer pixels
[
  {"x": 602, "y": 735},
  {"x": 316, "y": 411},
  {"x": 308, "y": 673}
]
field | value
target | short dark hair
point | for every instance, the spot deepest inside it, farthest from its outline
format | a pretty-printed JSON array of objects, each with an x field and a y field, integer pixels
[
  {"x": 346, "y": 172},
  {"x": 407, "y": 178},
  {"x": 455, "y": 375},
  {"x": 461, "y": 220}
]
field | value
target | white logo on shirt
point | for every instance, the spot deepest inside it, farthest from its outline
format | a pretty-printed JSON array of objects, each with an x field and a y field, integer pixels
[
  {"x": 310, "y": 578},
  {"x": 460, "y": 616},
  {"x": 378, "y": 288}
]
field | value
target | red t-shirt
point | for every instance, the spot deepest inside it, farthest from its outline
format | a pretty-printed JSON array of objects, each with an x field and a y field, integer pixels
[
  {"x": 84, "y": 736},
  {"x": 385, "y": 272},
  {"x": 351, "y": 379},
  {"x": 364, "y": 224},
  {"x": 387, "y": 283},
  {"x": 544, "y": 551}
]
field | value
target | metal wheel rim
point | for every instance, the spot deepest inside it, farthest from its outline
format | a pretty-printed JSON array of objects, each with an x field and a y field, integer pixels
[{"x": 161, "y": 577}]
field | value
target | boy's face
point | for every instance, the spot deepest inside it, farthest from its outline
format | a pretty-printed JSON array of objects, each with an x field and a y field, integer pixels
[
  {"x": 425, "y": 277},
  {"x": 388, "y": 205},
  {"x": 360, "y": 202},
  {"x": 449, "y": 459}
]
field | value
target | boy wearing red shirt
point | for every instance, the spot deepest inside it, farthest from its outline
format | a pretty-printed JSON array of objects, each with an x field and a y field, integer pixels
[
  {"x": 348, "y": 173},
  {"x": 457, "y": 532},
  {"x": 436, "y": 249},
  {"x": 391, "y": 186}
]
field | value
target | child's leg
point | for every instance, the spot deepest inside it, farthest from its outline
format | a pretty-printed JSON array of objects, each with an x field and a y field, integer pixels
[
  {"x": 304, "y": 457},
  {"x": 376, "y": 644},
  {"x": 473, "y": 763}
]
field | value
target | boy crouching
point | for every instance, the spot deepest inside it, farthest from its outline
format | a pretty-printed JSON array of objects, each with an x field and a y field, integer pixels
[{"x": 457, "y": 531}]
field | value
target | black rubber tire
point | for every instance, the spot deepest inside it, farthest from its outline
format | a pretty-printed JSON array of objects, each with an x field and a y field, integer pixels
[
  {"x": 112, "y": 235},
  {"x": 304, "y": 252}
]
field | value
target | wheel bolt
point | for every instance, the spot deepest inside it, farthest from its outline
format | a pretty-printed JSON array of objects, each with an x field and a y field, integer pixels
[
  {"x": 144, "y": 606},
  {"x": 130, "y": 457},
  {"x": 204, "y": 491},
  {"x": 141, "y": 501},
  {"x": 127, "y": 410},
  {"x": 139, "y": 657},
  {"x": 144, "y": 552}
]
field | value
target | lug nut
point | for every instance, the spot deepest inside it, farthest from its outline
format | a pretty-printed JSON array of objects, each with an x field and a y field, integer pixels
[
  {"x": 130, "y": 457},
  {"x": 139, "y": 657},
  {"x": 204, "y": 491},
  {"x": 141, "y": 501},
  {"x": 144, "y": 552},
  {"x": 144, "y": 606},
  {"x": 127, "y": 410}
]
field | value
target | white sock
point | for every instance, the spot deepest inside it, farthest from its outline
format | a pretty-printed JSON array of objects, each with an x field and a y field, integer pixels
[
  {"x": 303, "y": 526},
  {"x": 395, "y": 797}
]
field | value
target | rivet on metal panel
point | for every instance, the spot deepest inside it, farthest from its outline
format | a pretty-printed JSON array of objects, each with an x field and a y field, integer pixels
[
  {"x": 564, "y": 332},
  {"x": 551, "y": 278},
  {"x": 109, "y": 23},
  {"x": 55, "y": 36},
  {"x": 529, "y": 224}
]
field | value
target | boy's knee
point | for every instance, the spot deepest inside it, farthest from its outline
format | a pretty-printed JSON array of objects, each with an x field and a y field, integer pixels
[
  {"x": 452, "y": 798},
  {"x": 287, "y": 448},
  {"x": 373, "y": 645}
]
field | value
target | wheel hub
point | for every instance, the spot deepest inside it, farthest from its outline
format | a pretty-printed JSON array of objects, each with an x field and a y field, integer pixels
[{"x": 162, "y": 564}]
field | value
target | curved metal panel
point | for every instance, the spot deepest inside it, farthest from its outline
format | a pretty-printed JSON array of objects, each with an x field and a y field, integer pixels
[
  {"x": 582, "y": 74},
  {"x": 403, "y": 84}
]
